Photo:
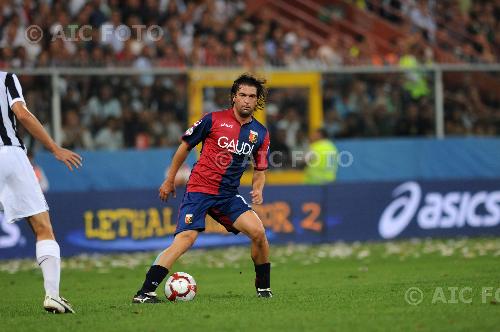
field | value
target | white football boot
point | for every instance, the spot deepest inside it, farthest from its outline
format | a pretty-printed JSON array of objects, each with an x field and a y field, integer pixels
[{"x": 57, "y": 306}]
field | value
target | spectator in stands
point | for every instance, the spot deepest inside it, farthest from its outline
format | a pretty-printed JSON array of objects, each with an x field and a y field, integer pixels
[
  {"x": 144, "y": 61},
  {"x": 74, "y": 135},
  {"x": 352, "y": 126},
  {"x": 411, "y": 124},
  {"x": 12, "y": 36},
  {"x": 146, "y": 100},
  {"x": 144, "y": 138},
  {"x": 280, "y": 154},
  {"x": 302, "y": 143},
  {"x": 110, "y": 137},
  {"x": 329, "y": 53},
  {"x": 291, "y": 124},
  {"x": 112, "y": 30},
  {"x": 358, "y": 99},
  {"x": 167, "y": 131},
  {"x": 341, "y": 102},
  {"x": 422, "y": 18},
  {"x": 101, "y": 107},
  {"x": 131, "y": 127},
  {"x": 332, "y": 123}
]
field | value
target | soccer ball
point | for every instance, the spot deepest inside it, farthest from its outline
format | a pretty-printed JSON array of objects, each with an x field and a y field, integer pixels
[{"x": 180, "y": 287}]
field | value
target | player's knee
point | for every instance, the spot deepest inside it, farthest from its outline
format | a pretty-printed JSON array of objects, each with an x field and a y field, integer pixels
[
  {"x": 41, "y": 227},
  {"x": 188, "y": 237},
  {"x": 44, "y": 230},
  {"x": 258, "y": 234}
]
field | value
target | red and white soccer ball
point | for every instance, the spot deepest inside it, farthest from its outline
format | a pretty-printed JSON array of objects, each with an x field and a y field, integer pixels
[{"x": 180, "y": 287}]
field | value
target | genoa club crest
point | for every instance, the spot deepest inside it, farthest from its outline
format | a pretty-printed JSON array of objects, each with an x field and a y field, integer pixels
[
  {"x": 253, "y": 136},
  {"x": 188, "y": 219}
]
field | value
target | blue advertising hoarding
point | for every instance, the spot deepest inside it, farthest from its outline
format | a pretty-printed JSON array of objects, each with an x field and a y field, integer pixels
[
  {"x": 373, "y": 160},
  {"x": 121, "y": 221}
]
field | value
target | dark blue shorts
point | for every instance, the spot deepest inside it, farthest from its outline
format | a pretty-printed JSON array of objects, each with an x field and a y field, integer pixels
[{"x": 223, "y": 209}]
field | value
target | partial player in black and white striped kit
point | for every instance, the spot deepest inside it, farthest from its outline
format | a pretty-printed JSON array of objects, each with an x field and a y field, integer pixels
[{"x": 20, "y": 193}]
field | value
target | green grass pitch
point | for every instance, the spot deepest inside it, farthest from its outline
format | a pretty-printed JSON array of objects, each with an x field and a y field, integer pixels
[{"x": 335, "y": 287}]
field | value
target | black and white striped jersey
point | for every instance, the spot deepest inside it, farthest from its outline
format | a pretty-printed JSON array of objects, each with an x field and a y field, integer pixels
[{"x": 10, "y": 93}]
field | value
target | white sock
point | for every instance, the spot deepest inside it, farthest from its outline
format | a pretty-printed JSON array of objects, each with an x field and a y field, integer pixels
[{"x": 48, "y": 256}]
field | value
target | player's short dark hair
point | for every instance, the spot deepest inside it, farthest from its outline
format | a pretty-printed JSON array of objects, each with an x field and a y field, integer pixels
[{"x": 251, "y": 80}]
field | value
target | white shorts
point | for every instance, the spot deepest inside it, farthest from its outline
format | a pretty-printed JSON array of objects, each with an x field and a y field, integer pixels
[{"x": 20, "y": 192}]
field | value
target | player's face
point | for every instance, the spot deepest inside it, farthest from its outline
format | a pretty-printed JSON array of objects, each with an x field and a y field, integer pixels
[{"x": 245, "y": 100}]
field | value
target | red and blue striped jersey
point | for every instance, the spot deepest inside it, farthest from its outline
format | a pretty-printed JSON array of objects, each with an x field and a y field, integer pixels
[{"x": 228, "y": 148}]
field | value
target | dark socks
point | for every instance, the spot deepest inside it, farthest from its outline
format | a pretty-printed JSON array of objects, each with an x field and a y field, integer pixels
[
  {"x": 154, "y": 277},
  {"x": 263, "y": 275}
]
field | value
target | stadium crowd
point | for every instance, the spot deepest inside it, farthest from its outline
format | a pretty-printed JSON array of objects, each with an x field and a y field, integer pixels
[
  {"x": 467, "y": 29},
  {"x": 179, "y": 33},
  {"x": 150, "y": 111},
  {"x": 119, "y": 33}
]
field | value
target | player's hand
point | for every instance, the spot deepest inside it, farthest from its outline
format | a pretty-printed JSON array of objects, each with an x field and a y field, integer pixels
[
  {"x": 167, "y": 188},
  {"x": 68, "y": 157},
  {"x": 257, "y": 197}
]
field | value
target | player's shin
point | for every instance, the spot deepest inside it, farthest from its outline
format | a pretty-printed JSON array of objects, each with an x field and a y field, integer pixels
[
  {"x": 49, "y": 258},
  {"x": 154, "y": 277},
  {"x": 263, "y": 276}
]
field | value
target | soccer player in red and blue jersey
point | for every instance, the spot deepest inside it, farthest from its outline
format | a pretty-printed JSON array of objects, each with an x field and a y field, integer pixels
[{"x": 230, "y": 139}]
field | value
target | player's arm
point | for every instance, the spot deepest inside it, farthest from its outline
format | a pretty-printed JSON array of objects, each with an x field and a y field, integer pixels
[
  {"x": 258, "y": 181},
  {"x": 168, "y": 186},
  {"x": 194, "y": 135},
  {"x": 261, "y": 159},
  {"x": 35, "y": 128}
]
